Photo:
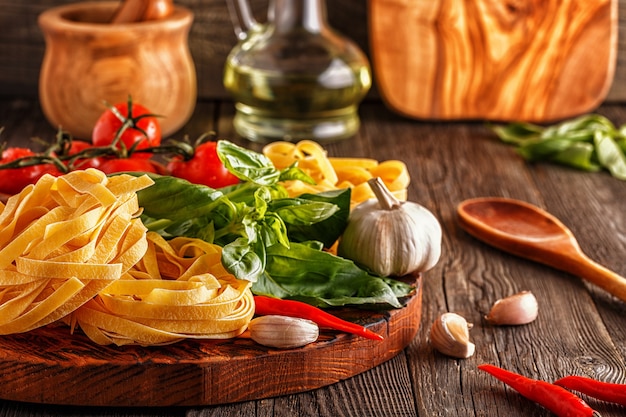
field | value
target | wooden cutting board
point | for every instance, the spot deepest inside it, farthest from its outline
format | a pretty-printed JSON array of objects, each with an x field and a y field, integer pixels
[
  {"x": 510, "y": 60},
  {"x": 50, "y": 366}
]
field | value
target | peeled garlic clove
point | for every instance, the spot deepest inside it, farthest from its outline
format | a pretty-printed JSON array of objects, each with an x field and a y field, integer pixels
[
  {"x": 449, "y": 334},
  {"x": 520, "y": 308},
  {"x": 282, "y": 331}
]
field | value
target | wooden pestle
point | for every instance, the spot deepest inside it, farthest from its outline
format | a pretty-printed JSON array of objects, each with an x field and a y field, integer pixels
[{"x": 142, "y": 10}]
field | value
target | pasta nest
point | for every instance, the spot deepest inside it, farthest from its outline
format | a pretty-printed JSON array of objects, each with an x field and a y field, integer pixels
[{"x": 74, "y": 250}]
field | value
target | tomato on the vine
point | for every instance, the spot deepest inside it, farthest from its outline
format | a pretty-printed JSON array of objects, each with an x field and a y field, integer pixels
[
  {"x": 78, "y": 146},
  {"x": 13, "y": 180},
  {"x": 204, "y": 167},
  {"x": 142, "y": 127},
  {"x": 112, "y": 166}
]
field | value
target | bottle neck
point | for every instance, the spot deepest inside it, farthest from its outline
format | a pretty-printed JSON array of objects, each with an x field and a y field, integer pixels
[{"x": 287, "y": 15}]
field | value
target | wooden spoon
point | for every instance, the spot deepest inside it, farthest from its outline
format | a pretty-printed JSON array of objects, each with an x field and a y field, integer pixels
[{"x": 525, "y": 230}]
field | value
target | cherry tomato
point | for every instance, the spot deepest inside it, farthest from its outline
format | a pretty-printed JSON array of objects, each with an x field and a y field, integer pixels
[
  {"x": 13, "y": 180},
  {"x": 108, "y": 125},
  {"x": 204, "y": 168},
  {"x": 78, "y": 146},
  {"x": 111, "y": 166},
  {"x": 84, "y": 163}
]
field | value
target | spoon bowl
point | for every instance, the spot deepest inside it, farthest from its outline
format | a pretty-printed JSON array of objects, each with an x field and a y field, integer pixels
[{"x": 530, "y": 232}]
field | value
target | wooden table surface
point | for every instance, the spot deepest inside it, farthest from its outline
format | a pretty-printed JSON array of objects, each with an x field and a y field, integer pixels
[{"x": 580, "y": 329}]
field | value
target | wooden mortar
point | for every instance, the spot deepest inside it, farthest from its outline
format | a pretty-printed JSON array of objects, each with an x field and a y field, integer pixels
[{"x": 89, "y": 62}]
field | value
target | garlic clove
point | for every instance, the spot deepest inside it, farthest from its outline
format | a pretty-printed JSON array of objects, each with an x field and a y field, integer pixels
[
  {"x": 517, "y": 309},
  {"x": 449, "y": 334},
  {"x": 282, "y": 331}
]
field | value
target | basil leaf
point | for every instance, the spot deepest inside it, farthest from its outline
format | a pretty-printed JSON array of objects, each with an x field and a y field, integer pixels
[
  {"x": 243, "y": 260},
  {"x": 247, "y": 165},
  {"x": 542, "y": 149},
  {"x": 579, "y": 155},
  {"x": 294, "y": 173},
  {"x": 323, "y": 279},
  {"x": 610, "y": 155},
  {"x": 302, "y": 212},
  {"x": 516, "y": 133},
  {"x": 327, "y": 230},
  {"x": 175, "y": 207},
  {"x": 582, "y": 125},
  {"x": 274, "y": 231}
]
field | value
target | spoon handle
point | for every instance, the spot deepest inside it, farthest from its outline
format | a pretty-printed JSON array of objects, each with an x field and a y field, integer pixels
[{"x": 599, "y": 275}]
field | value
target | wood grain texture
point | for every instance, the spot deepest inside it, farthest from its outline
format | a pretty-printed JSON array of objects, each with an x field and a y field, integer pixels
[
  {"x": 51, "y": 366},
  {"x": 210, "y": 40},
  {"x": 580, "y": 329},
  {"x": 533, "y": 60}
]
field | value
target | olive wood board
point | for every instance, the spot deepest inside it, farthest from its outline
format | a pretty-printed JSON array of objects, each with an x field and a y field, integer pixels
[
  {"x": 534, "y": 61},
  {"x": 51, "y": 366}
]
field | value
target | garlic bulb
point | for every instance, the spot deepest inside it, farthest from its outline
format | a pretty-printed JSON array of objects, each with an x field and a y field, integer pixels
[
  {"x": 282, "y": 331},
  {"x": 520, "y": 308},
  {"x": 391, "y": 237},
  {"x": 449, "y": 334}
]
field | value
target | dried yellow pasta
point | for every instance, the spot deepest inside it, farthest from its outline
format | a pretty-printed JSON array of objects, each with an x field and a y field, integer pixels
[
  {"x": 73, "y": 249},
  {"x": 178, "y": 290},
  {"x": 331, "y": 173},
  {"x": 52, "y": 238}
]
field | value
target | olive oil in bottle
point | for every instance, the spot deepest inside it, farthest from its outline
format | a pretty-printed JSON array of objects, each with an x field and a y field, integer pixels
[{"x": 294, "y": 78}]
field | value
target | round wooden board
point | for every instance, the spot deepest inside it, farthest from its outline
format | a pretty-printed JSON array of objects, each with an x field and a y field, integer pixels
[{"x": 50, "y": 366}]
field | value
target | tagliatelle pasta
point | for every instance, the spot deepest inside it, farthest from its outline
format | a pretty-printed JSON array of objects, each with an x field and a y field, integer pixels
[
  {"x": 335, "y": 173},
  {"x": 62, "y": 241},
  {"x": 178, "y": 290},
  {"x": 74, "y": 249}
]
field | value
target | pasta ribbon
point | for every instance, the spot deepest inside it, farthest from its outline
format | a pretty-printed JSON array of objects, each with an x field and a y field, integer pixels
[
  {"x": 178, "y": 290},
  {"x": 62, "y": 241},
  {"x": 335, "y": 173},
  {"x": 73, "y": 249}
]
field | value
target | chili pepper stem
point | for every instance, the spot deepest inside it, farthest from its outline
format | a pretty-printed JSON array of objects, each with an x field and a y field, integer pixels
[{"x": 268, "y": 305}]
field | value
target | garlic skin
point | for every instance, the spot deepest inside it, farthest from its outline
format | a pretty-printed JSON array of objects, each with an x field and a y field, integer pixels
[
  {"x": 282, "y": 331},
  {"x": 449, "y": 334},
  {"x": 517, "y": 309},
  {"x": 391, "y": 237}
]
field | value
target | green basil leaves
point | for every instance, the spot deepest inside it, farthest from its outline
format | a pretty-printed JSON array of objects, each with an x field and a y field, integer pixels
[
  {"x": 590, "y": 143},
  {"x": 267, "y": 237}
]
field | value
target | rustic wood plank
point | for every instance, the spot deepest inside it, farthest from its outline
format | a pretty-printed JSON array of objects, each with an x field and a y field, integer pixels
[
  {"x": 211, "y": 38},
  {"x": 21, "y": 123},
  {"x": 384, "y": 391},
  {"x": 346, "y": 399}
]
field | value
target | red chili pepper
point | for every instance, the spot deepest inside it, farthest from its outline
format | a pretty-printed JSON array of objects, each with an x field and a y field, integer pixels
[
  {"x": 268, "y": 305},
  {"x": 605, "y": 391},
  {"x": 553, "y": 397}
]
